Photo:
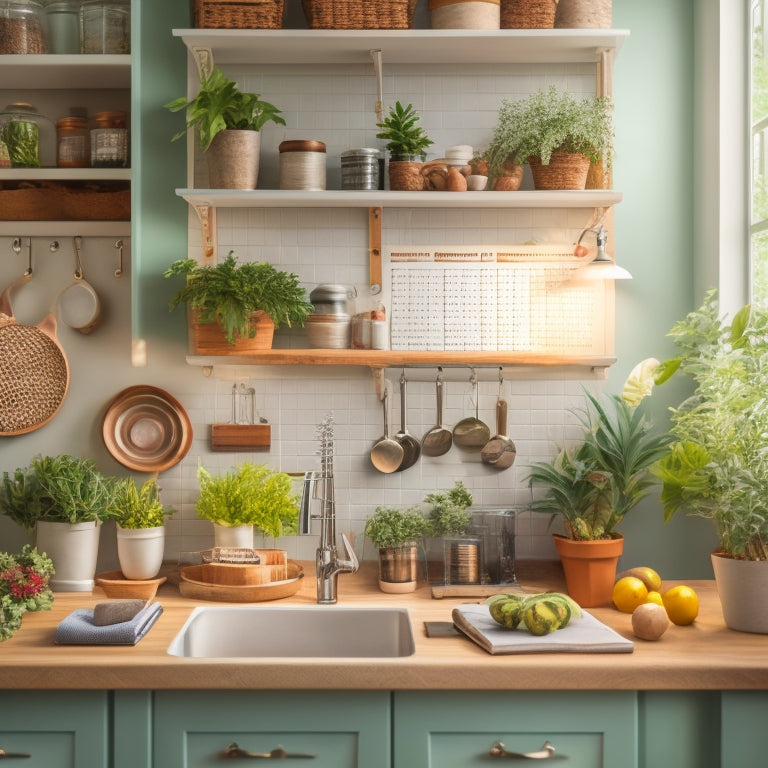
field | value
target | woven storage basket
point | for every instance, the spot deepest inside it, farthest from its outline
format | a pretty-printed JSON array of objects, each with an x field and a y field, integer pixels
[
  {"x": 565, "y": 171},
  {"x": 239, "y": 14},
  {"x": 584, "y": 14},
  {"x": 528, "y": 14},
  {"x": 359, "y": 14}
]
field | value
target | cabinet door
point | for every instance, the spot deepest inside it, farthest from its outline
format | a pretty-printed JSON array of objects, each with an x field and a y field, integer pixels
[
  {"x": 457, "y": 729},
  {"x": 744, "y": 736},
  {"x": 57, "y": 729},
  {"x": 340, "y": 729}
]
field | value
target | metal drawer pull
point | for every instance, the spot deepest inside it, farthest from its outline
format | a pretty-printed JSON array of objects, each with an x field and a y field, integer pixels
[
  {"x": 232, "y": 750},
  {"x": 9, "y": 755},
  {"x": 546, "y": 751}
]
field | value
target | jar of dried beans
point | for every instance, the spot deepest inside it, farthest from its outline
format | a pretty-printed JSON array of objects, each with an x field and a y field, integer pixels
[
  {"x": 105, "y": 26},
  {"x": 21, "y": 30}
]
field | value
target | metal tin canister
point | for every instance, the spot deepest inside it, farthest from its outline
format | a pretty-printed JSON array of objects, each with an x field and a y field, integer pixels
[
  {"x": 360, "y": 169},
  {"x": 302, "y": 164}
]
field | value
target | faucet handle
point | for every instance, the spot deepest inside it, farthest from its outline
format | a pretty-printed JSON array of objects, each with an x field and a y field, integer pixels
[
  {"x": 307, "y": 493},
  {"x": 352, "y": 565}
]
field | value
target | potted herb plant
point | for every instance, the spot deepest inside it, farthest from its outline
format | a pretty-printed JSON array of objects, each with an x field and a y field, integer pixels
[
  {"x": 593, "y": 486},
  {"x": 407, "y": 143},
  {"x": 717, "y": 466},
  {"x": 396, "y": 534},
  {"x": 251, "y": 496},
  {"x": 240, "y": 304},
  {"x": 65, "y": 499},
  {"x": 555, "y": 134},
  {"x": 140, "y": 519},
  {"x": 228, "y": 122}
]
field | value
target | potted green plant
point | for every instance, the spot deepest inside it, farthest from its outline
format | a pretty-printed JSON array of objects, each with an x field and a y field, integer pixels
[
  {"x": 717, "y": 466},
  {"x": 594, "y": 485},
  {"x": 251, "y": 496},
  {"x": 396, "y": 534},
  {"x": 555, "y": 134},
  {"x": 407, "y": 143},
  {"x": 228, "y": 122},
  {"x": 140, "y": 519},
  {"x": 244, "y": 301},
  {"x": 65, "y": 499}
]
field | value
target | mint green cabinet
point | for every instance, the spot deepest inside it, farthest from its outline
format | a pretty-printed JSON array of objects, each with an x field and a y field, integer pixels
[
  {"x": 743, "y": 731},
  {"x": 57, "y": 729},
  {"x": 342, "y": 729},
  {"x": 458, "y": 729}
]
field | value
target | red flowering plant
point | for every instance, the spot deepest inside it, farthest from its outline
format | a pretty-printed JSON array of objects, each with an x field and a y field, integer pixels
[{"x": 23, "y": 587}]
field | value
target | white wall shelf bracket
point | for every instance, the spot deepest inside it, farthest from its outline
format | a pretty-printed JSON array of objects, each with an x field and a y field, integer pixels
[
  {"x": 203, "y": 58},
  {"x": 207, "y": 216}
]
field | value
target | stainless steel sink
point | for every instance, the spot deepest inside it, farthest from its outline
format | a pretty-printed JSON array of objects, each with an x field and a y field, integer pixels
[{"x": 318, "y": 631}]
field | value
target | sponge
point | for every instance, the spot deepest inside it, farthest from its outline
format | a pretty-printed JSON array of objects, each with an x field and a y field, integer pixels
[{"x": 116, "y": 611}]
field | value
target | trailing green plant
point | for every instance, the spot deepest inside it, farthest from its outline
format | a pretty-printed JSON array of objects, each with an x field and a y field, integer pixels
[
  {"x": 717, "y": 466},
  {"x": 24, "y": 587},
  {"x": 229, "y": 292},
  {"x": 61, "y": 489},
  {"x": 135, "y": 506},
  {"x": 392, "y": 527},
  {"x": 220, "y": 105},
  {"x": 401, "y": 132},
  {"x": 251, "y": 494},
  {"x": 596, "y": 483},
  {"x": 551, "y": 120},
  {"x": 449, "y": 514}
]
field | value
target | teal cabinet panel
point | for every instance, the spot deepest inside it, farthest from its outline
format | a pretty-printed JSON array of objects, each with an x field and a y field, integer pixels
[
  {"x": 341, "y": 729},
  {"x": 744, "y": 729},
  {"x": 57, "y": 729},
  {"x": 458, "y": 729},
  {"x": 132, "y": 729}
]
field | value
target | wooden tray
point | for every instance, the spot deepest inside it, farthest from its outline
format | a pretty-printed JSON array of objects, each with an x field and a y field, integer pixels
[{"x": 189, "y": 586}]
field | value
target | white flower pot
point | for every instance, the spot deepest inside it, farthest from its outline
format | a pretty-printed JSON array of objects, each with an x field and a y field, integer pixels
[
  {"x": 742, "y": 586},
  {"x": 233, "y": 536},
  {"x": 74, "y": 550},
  {"x": 140, "y": 551}
]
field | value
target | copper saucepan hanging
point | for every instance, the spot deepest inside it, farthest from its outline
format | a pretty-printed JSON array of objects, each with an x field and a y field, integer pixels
[{"x": 34, "y": 372}]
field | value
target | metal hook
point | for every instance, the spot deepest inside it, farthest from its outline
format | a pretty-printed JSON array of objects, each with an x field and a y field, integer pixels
[
  {"x": 53, "y": 246},
  {"x": 28, "y": 271},
  {"x": 16, "y": 245},
  {"x": 77, "y": 242},
  {"x": 501, "y": 381},
  {"x": 119, "y": 270}
]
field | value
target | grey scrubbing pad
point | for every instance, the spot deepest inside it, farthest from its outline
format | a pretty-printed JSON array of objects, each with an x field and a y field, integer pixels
[{"x": 116, "y": 611}]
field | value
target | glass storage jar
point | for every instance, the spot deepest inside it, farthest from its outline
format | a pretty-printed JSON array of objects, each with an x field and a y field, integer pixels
[
  {"x": 105, "y": 26},
  {"x": 109, "y": 140},
  {"x": 73, "y": 143},
  {"x": 29, "y": 136},
  {"x": 61, "y": 26},
  {"x": 21, "y": 29}
]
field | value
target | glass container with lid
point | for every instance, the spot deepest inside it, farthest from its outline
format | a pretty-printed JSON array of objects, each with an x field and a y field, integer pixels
[
  {"x": 61, "y": 24},
  {"x": 29, "y": 136},
  {"x": 21, "y": 29},
  {"x": 73, "y": 142},
  {"x": 109, "y": 140},
  {"x": 105, "y": 26}
]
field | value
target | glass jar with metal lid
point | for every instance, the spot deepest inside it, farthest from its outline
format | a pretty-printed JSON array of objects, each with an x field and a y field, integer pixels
[
  {"x": 109, "y": 140},
  {"x": 21, "y": 29},
  {"x": 105, "y": 26},
  {"x": 72, "y": 142},
  {"x": 29, "y": 136}
]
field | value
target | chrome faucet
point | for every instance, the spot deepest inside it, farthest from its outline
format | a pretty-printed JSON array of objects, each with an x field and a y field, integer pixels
[{"x": 319, "y": 486}]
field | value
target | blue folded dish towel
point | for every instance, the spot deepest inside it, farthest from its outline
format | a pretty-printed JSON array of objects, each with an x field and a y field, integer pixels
[{"x": 79, "y": 629}]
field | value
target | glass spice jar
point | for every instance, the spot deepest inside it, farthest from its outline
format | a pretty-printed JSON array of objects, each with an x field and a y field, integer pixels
[
  {"x": 21, "y": 29},
  {"x": 73, "y": 143},
  {"x": 109, "y": 140},
  {"x": 105, "y": 26}
]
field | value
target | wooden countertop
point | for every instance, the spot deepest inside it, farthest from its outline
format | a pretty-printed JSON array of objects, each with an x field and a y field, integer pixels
[{"x": 705, "y": 655}]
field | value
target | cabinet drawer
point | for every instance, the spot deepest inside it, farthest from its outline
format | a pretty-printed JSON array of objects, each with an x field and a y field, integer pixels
[
  {"x": 449, "y": 730},
  {"x": 341, "y": 729},
  {"x": 57, "y": 729}
]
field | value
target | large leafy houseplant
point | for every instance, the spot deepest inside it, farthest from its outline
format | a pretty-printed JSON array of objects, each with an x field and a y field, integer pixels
[
  {"x": 228, "y": 293},
  {"x": 251, "y": 494}
]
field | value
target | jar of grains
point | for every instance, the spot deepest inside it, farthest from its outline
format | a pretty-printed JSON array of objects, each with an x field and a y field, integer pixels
[
  {"x": 109, "y": 140},
  {"x": 21, "y": 30},
  {"x": 302, "y": 165},
  {"x": 73, "y": 143},
  {"x": 61, "y": 25},
  {"x": 105, "y": 26}
]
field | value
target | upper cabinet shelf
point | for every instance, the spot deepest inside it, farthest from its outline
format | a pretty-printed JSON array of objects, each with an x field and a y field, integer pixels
[
  {"x": 406, "y": 46},
  {"x": 56, "y": 71}
]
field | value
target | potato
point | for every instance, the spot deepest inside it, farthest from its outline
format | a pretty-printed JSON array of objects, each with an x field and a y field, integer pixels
[{"x": 649, "y": 621}]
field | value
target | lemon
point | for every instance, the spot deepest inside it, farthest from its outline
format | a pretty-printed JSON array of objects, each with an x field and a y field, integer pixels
[
  {"x": 681, "y": 604},
  {"x": 654, "y": 597},
  {"x": 628, "y": 593}
]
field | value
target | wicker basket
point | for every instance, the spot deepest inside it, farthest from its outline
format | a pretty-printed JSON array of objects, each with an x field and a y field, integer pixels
[
  {"x": 584, "y": 14},
  {"x": 565, "y": 171},
  {"x": 528, "y": 14},
  {"x": 359, "y": 14},
  {"x": 239, "y": 14}
]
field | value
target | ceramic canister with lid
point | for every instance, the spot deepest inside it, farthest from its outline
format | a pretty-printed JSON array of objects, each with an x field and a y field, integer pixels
[{"x": 302, "y": 164}]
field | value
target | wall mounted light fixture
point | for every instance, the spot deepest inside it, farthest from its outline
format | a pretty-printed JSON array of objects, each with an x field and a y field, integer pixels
[{"x": 602, "y": 267}]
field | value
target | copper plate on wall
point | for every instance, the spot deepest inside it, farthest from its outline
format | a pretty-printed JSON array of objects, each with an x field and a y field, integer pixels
[{"x": 146, "y": 429}]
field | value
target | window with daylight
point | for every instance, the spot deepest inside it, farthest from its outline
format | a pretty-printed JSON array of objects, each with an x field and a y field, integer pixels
[{"x": 759, "y": 155}]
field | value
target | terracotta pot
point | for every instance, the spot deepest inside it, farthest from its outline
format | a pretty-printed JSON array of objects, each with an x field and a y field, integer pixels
[
  {"x": 566, "y": 170},
  {"x": 510, "y": 177},
  {"x": 742, "y": 586},
  {"x": 590, "y": 568},
  {"x": 233, "y": 160},
  {"x": 209, "y": 339}
]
